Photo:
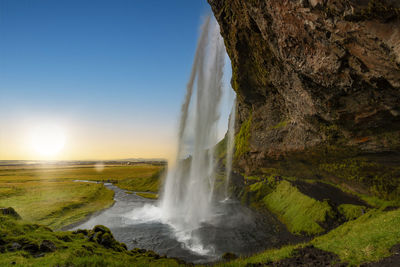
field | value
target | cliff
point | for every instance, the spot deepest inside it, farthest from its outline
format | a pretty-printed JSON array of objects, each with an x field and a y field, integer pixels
[{"x": 315, "y": 80}]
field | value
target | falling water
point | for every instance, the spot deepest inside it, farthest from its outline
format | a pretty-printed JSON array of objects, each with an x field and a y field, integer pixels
[
  {"x": 187, "y": 197},
  {"x": 230, "y": 148},
  {"x": 188, "y": 223}
]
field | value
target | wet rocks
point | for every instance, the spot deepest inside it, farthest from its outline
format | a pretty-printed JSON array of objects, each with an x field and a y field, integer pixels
[
  {"x": 102, "y": 236},
  {"x": 229, "y": 256}
]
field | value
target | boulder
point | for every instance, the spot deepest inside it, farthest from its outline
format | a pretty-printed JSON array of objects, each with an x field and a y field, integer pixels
[
  {"x": 47, "y": 246},
  {"x": 10, "y": 212}
]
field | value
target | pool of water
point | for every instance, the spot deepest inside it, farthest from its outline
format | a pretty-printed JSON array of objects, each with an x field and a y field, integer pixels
[{"x": 137, "y": 222}]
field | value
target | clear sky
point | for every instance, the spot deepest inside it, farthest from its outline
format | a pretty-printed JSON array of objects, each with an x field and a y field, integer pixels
[{"x": 108, "y": 75}]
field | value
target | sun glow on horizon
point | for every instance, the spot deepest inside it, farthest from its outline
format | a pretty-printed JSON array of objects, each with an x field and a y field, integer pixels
[{"x": 47, "y": 141}]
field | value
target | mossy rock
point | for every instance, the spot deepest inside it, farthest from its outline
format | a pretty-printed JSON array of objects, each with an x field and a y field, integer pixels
[
  {"x": 101, "y": 228},
  {"x": 228, "y": 256},
  {"x": 10, "y": 212}
]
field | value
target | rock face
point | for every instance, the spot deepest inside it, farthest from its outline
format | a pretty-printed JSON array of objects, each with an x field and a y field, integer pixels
[{"x": 312, "y": 73}]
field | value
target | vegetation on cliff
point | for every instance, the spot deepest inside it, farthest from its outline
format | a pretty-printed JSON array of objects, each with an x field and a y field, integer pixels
[{"x": 300, "y": 213}]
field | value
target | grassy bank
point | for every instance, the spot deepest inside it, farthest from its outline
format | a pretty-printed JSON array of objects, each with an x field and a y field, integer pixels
[
  {"x": 56, "y": 204},
  {"x": 366, "y": 239},
  {"x": 25, "y": 244},
  {"x": 300, "y": 213},
  {"x": 369, "y": 238}
]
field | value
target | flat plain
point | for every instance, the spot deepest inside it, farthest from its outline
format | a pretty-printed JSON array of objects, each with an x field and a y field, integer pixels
[{"x": 50, "y": 194}]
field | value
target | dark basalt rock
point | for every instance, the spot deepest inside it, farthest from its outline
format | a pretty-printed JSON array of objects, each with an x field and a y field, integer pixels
[
  {"x": 308, "y": 75},
  {"x": 229, "y": 256},
  {"x": 101, "y": 228},
  {"x": 47, "y": 246},
  {"x": 33, "y": 248},
  {"x": 102, "y": 236},
  {"x": 317, "y": 82}
]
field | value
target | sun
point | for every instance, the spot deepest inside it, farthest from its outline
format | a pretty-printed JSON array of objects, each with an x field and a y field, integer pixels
[{"x": 48, "y": 141}]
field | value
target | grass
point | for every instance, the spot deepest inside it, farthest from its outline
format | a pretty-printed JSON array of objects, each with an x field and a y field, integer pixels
[
  {"x": 300, "y": 213},
  {"x": 148, "y": 182},
  {"x": 373, "y": 201},
  {"x": 381, "y": 181},
  {"x": 368, "y": 238},
  {"x": 266, "y": 256},
  {"x": 112, "y": 173},
  {"x": 148, "y": 195},
  {"x": 351, "y": 212},
  {"x": 95, "y": 247},
  {"x": 57, "y": 204},
  {"x": 48, "y": 194}
]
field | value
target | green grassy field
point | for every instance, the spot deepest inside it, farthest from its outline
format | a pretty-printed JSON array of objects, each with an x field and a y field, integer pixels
[{"x": 48, "y": 194}]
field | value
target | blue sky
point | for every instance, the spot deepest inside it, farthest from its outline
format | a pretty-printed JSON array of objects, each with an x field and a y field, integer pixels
[{"x": 109, "y": 73}]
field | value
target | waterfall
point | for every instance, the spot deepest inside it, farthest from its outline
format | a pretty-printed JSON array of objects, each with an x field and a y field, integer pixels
[
  {"x": 187, "y": 197},
  {"x": 230, "y": 148}
]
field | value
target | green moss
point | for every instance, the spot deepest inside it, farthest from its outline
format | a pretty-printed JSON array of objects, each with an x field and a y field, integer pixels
[
  {"x": 381, "y": 181},
  {"x": 270, "y": 171},
  {"x": 351, "y": 212},
  {"x": 266, "y": 256},
  {"x": 280, "y": 125},
  {"x": 148, "y": 195},
  {"x": 242, "y": 138},
  {"x": 220, "y": 149},
  {"x": 300, "y": 213},
  {"x": 259, "y": 190}
]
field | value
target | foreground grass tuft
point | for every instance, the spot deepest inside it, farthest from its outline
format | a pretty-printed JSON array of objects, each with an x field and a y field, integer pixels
[
  {"x": 351, "y": 212},
  {"x": 25, "y": 244}
]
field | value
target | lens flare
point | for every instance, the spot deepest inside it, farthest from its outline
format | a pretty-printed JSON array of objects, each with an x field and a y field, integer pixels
[{"x": 47, "y": 141}]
